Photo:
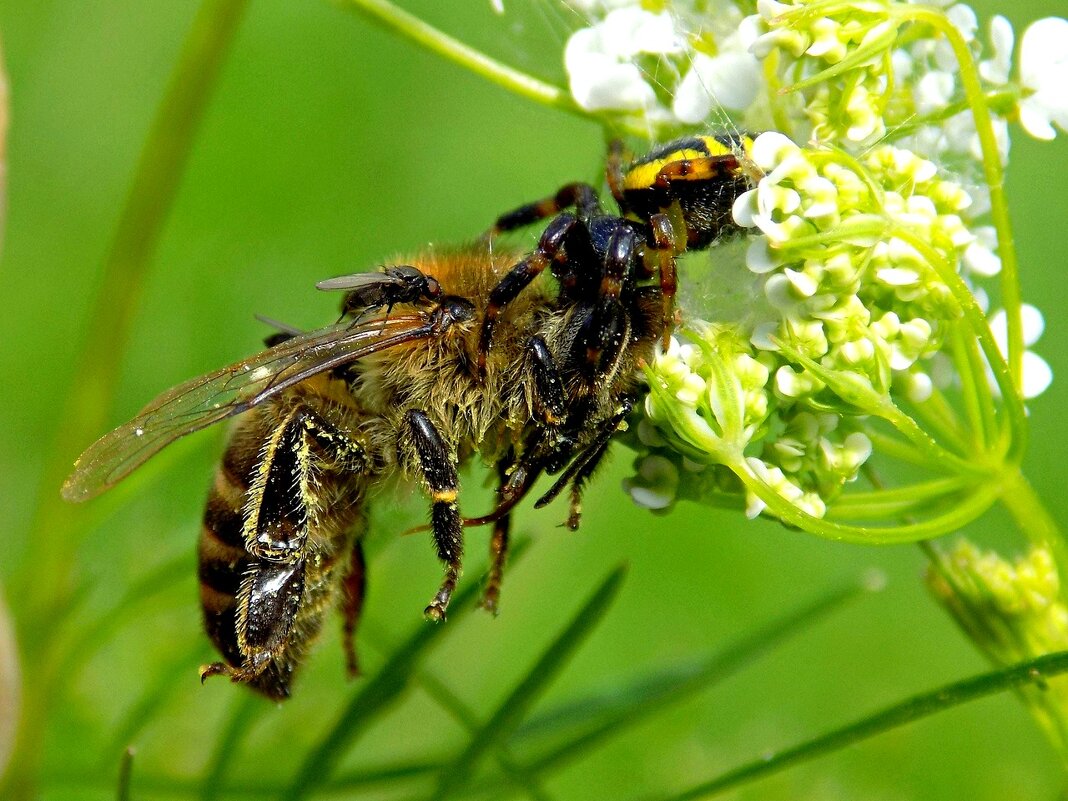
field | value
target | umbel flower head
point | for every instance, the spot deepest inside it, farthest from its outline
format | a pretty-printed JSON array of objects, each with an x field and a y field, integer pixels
[
  {"x": 870, "y": 251},
  {"x": 858, "y": 265},
  {"x": 1013, "y": 610}
]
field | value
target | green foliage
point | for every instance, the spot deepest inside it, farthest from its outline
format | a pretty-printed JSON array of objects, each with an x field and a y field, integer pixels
[{"x": 262, "y": 172}]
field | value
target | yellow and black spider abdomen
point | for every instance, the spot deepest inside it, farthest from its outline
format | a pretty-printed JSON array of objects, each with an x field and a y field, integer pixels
[{"x": 703, "y": 174}]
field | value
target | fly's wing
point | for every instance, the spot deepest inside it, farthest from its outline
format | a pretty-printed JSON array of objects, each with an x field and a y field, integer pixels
[
  {"x": 357, "y": 281},
  {"x": 208, "y": 399}
]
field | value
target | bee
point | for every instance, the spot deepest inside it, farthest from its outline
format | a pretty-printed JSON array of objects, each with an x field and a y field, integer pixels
[
  {"x": 328, "y": 415},
  {"x": 434, "y": 362}
]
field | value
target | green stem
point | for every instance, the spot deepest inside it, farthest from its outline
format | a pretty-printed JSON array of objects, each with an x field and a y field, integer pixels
[
  {"x": 993, "y": 173},
  {"x": 427, "y": 36},
  {"x": 969, "y": 508},
  {"x": 978, "y": 401},
  {"x": 122, "y": 791},
  {"x": 140, "y": 226},
  {"x": 979, "y": 326},
  {"x": 1024, "y": 673},
  {"x": 1034, "y": 520},
  {"x": 880, "y": 504}
]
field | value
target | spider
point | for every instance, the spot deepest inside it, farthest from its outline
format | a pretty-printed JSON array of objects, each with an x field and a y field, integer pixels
[{"x": 676, "y": 198}]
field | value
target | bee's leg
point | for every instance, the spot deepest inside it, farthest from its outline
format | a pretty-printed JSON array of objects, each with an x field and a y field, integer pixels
[
  {"x": 582, "y": 196},
  {"x": 498, "y": 548},
  {"x": 275, "y": 536},
  {"x": 267, "y": 604},
  {"x": 439, "y": 471},
  {"x": 491, "y": 596},
  {"x": 516, "y": 280},
  {"x": 355, "y": 588}
]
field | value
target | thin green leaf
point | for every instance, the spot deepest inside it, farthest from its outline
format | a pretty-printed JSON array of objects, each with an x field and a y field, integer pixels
[
  {"x": 246, "y": 709},
  {"x": 155, "y": 185},
  {"x": 369, "y": 702},
  {"x": 466, "y": 717},
  {"x": 95, "y": 634},
  {"x": 512, "y": 710},
  {"x": 619, "y": 710},
  {"x": 167, "y": 681},
  {"x": 122, "y": 792},
  {"x": 1034, "y": 671}
]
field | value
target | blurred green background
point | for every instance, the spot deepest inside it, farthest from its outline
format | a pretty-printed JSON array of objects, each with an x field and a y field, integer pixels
[{"x": 330, "y": 146}]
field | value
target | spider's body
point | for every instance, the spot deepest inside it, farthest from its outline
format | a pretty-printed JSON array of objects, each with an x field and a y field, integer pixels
[{"x": 675, "y": 198}]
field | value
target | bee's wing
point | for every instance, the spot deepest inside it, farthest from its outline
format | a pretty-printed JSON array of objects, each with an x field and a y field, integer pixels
[{"x": 210, "y": 398}]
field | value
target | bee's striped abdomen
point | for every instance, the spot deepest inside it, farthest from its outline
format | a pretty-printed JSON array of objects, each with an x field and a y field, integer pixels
[{"x": 221, "y": 553}]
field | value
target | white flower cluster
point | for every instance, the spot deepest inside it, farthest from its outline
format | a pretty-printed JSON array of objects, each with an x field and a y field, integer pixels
[
  {"x": 689, "y": 61},
  {"x": 654, "y": 66},
  {"x": 855, "y": 313},
  {"x": 860, "y": 244}
]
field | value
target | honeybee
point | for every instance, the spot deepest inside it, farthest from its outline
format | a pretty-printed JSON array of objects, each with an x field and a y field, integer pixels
[
  {"x": 456, "y": 354},
  {"x": 327, "y": 415}
]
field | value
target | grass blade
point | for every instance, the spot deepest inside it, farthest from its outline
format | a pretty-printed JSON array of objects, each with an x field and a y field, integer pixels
[
  {"x": 122, "y": 792},
  {"x": 629, "y": 706},
  {"x": 374, "y": 698},
  {"x": 511, "y": 711},
  {"x": 246, "y": 709},
  {"x": 519, "y": 774},
  {"x": 166, "y": 682},
  {"x": 1033, "y": 671}
]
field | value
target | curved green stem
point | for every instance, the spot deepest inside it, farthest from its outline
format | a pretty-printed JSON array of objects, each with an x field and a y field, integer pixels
[
  {"x": 427, "y": 36},
  {"x": 977, "y": 321},
  {"x": 970, "y": 507},
  {"x": 1034, "y": 520},
  {"x": 993, "y": 173}
]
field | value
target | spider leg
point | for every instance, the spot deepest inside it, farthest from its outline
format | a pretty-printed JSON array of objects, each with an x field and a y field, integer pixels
[
  {"x": 614, "y": 170},
  {"x": 603, "y": 333},
  {"x": 580, "y": 195},
  {"x": 669, "y": 240},
  {"x": 516, "y": 280},
  {"x": 585, "y": 464}
]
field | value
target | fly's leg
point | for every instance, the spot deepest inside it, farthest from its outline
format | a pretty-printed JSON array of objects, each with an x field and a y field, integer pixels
[{"x": 438, "y": 465}]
